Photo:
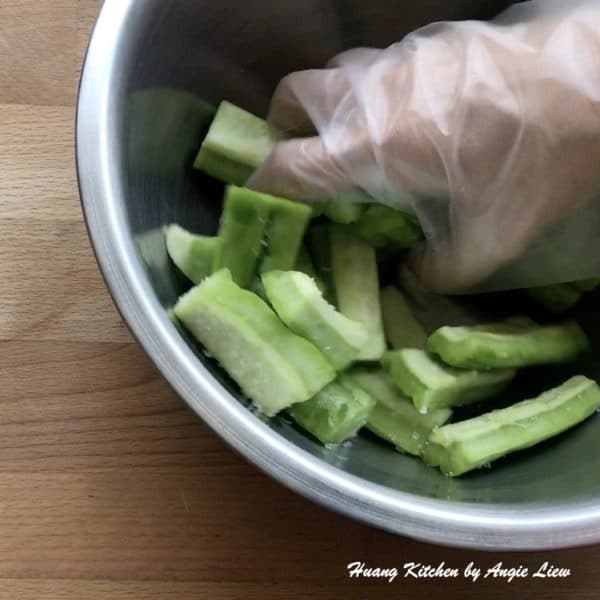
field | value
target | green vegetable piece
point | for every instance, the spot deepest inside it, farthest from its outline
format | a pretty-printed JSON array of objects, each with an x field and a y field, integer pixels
[
  {"x": 192, "y": 254},
  {"x": 300, "y": 305},
  {"x": 399, "y": 428},
  {"x": 508, "y": 344},
  {"x": 241, "y": 232},
  {"x": 313, "y": 367},
  {"x": 340, "y": 211},
  {"x": 461, "y": 447},
  {"x": 287, "y": 224},
  {"x": 402, "y": 329},
  {"x": 336, "y": 413},
  {"x": 259, "y": 229},
  {"x": 395, "y": 419},
  {"x": 384, "y": 226},
  {"x": 273, "y": 366},
  {"x": 222, "y": 168},
  {"x": 587, "y": 285},
  {"x": 356, "y": 286},
  {"x": 240, "y": 139},
  {"x": 304, "y": 264},
  {"x": 556, "y": 298},
  {"x": 348, "y": 265},
  {"x": 431, "y": 384}
]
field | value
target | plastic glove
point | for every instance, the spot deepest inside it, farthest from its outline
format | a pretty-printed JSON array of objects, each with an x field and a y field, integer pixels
[{"x": 488, "y": 131}]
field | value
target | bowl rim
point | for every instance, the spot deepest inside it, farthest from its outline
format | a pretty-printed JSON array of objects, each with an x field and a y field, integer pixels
[{"x": 488, "y": 527}]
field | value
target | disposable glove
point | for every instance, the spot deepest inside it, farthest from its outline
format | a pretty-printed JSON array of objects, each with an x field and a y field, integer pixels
[{"x": 488, "y": 131}]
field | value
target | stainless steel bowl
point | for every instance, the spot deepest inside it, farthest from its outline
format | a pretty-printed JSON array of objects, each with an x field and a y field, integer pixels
[{"x": 140, "y": 118}]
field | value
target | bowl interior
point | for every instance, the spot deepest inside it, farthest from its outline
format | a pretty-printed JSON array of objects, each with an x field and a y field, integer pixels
[{"x": 189, "y": 55}]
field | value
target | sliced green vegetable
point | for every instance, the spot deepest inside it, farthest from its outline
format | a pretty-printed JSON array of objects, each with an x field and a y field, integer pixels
[
  {"x": 349, "y": 264},
  {"x": 556, "y": 298},
  {"x": 340, "y": 211},
  {"x": 336, "y": 413},
  {"x": 241, "y": 232},
  {"x": 283, "y": 235},
  {"x": 300, "y": 305},
  {"x": 192, "y": 254},
  {"x": 313, "y": 367},
  {"x": 259, "y": 229},
  {"x": 508, "y": 344},
  {"x": 273, "y": 366},
  {"x": 402, "y": 329},
  {"x": 356, "y": 285},
  {"x": 222, "y": 168},
  {"x": 431, "y": 384},
  {"x": 461, "y": 447},
  {"x": 384, "y": 226},
  {"x": 406, "y": 434},
  {"x": 236, "y": 144},
  {"x": 395, "y": 418}
]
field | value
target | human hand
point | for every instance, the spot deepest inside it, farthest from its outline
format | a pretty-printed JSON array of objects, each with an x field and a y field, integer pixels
[{"x": 489, "y": 132}]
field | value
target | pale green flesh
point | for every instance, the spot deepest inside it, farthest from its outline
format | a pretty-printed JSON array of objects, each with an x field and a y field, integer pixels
[
  {"x": 336, "y": 413},
  {"x": 461, "y": 447},
  {"x": 356, "y": 283},
  {"x": 406, "y": 436},
  {"x": 395, "y": 418},
  {"x": 556, "y": 298},
  {"x": 310, "y": 363},
  {"x": 241, "y": 232},
  {"x": 261, "y": 229},
  {"x": 264, "y": 374},
  {"x": 241, "y": 136},
  {"x": 284, "y": 232},
  {"x": 402, "y": 330},
  {"x": 192, "y": 254},
  {"x": 505, "y": 345},
  {"x": 433, "y": 385},
  {"x": 381, "y": 387},
  {"x": 300, "y": 305},
  {"x": 222, "y": 168},
  {"x": 242, "y": 140}
]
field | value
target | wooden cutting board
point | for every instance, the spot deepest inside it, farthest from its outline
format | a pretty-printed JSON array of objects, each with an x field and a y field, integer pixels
[{"x": 109, "y": 486}]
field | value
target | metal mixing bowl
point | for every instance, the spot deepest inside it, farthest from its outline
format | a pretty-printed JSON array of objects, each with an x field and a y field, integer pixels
[{"x": 140, "y": 118}]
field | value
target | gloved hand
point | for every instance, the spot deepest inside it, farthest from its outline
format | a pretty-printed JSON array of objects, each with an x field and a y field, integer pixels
[{"x": 488, "y": 131}]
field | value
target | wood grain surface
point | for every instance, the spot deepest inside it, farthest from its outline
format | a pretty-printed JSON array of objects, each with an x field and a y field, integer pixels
[{"x": 109, "y": 486}]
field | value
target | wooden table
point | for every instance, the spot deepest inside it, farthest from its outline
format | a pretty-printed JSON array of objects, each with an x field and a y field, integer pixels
[{"x": 109, "y": 486}]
